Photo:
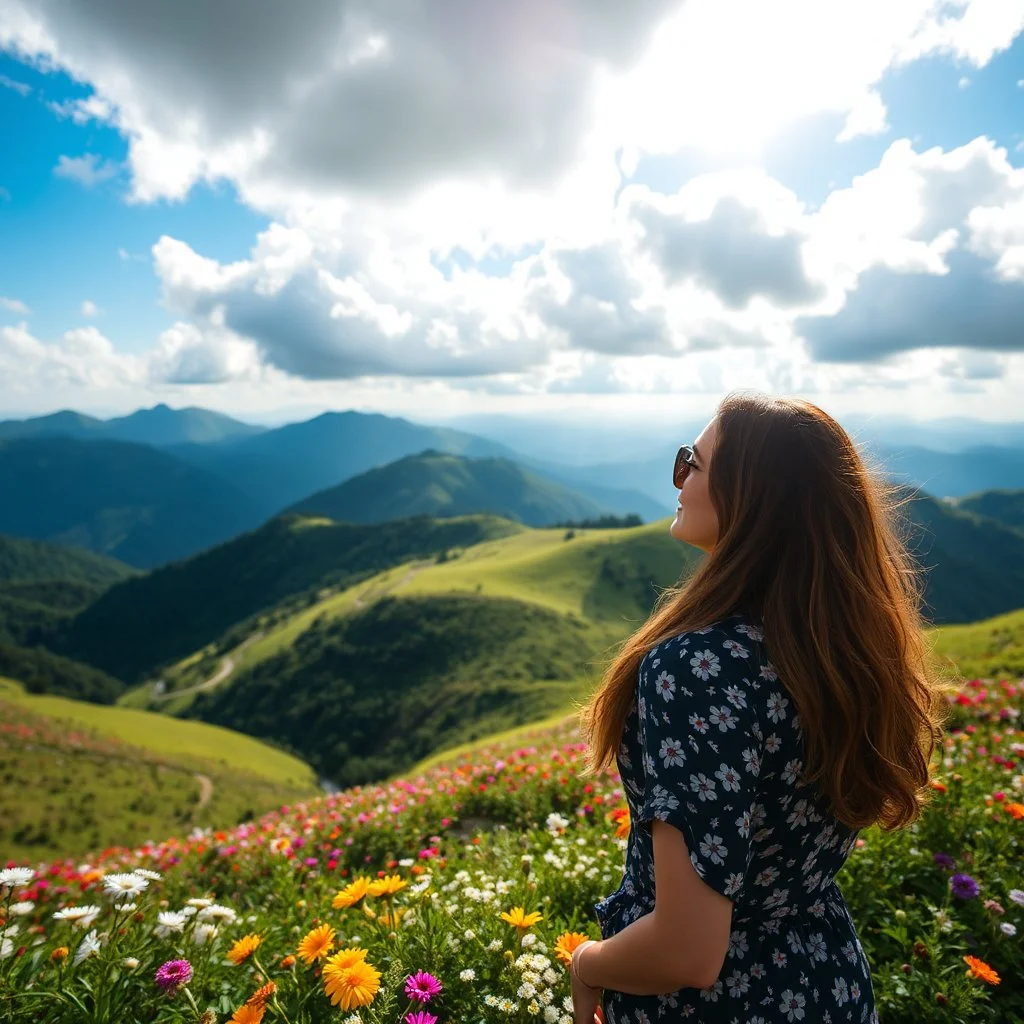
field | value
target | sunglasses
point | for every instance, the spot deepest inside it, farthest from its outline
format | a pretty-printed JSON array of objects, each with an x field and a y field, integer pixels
[{"x": 681, "y": 468}]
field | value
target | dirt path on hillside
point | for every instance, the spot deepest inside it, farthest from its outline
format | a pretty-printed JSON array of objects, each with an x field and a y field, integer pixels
[
  {"x": 227, "y": 666},
  {"x": 360, "y": 601},
  {"x": 205, "y": 790}
]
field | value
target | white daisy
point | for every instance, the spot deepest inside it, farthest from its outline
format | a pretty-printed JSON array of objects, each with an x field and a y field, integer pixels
[
  {"x": 89, "y": 945},
  {"x": 125, "y": 908},
  {"x": 130, "y": 962},
  {"x": 125, "y": 884},
  {"x": 83, "y": 917},
  {"x": 153, "y": 876},
  {"x": 216, "y": 912},
  {"x": 169, "y": 921},
  {"x": 16, "y": 878}
]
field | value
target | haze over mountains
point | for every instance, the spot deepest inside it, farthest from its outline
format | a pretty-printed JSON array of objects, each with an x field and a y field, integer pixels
[{"x": 162, "y": 484}]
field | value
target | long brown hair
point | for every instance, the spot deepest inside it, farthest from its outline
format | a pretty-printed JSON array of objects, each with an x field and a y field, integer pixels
[{"x": 810, "y": 545}]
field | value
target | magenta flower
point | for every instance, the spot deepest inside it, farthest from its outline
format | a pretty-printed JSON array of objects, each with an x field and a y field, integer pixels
[
  {"x": 173, "y": 974},
  {"x": 420, "y": 1017},
  {"x": 422, "y": 987}
]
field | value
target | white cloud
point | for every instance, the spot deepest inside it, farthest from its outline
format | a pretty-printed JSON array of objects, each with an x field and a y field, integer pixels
[
  {"x": 867, "y": 117},
  {"x": 21, "y": 88},
  {"x": 82, "y": 358},
  {"x": 90, "y": 309},
  {"x": 87, "y": 170},
  {"x": 14, "y": 306}
]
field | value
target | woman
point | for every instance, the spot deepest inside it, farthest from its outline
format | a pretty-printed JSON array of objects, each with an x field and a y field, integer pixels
[{"x": 771, "y": 707}]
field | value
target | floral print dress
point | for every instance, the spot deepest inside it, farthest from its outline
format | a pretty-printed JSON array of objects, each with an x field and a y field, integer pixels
[{"x": 712, "y": 745}]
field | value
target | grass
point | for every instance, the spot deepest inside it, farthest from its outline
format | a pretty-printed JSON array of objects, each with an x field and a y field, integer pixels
[
  {"x": 69, "y": 788},
  {"x": 161, "y": 734},
  {"x": 990, "y": 649}
]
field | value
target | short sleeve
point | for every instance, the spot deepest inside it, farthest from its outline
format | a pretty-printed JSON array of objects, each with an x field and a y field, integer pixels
[{"x": 701, "y": 747}]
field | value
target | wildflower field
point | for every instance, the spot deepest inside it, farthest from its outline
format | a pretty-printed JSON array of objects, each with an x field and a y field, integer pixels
[{"x": 457, "y": 895}]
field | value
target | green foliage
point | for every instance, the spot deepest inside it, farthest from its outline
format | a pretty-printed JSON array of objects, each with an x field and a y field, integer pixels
[
  {"x": 602, "y": 523},
  {"x": 1006, "y": 507},
  {"x": 29, "y": 561},
  {"x": 362, "y": 696},
  {"x": 173, "y": 611},
  {"x": 44, "y": 672}
]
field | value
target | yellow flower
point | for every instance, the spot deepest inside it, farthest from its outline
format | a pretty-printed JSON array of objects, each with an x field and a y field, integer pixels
[
  {"x": 247, "y": 1014},
  {"x": 387, "y": 886},
  {"x": 520, "y": 919},
  {"x": 566, "y": 943},
  {"x": 349, "y": 980},
  {"x": 351, "y": 894},
  {"x": 316, "y": 944},
  {"x": 244, "y": 948}
]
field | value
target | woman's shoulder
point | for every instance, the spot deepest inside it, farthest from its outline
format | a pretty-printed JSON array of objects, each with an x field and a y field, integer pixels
[{"x": 738, "y": 633}]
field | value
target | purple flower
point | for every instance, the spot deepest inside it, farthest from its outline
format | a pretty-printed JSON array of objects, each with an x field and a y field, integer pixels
[
  {"x": 964, "y": 887},
  {"x": 1017, "y": 895},
  {"x": 420, "y": 1017},
  {"x": 173, "y": 974},
  {"x": 422, "y": 986},
  {"x": 944, "y": 861}
]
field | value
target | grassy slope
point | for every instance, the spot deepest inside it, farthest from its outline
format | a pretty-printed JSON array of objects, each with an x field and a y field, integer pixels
[
  {"x": 163, "y": 735},
  {"x": 73, "y": 783},
  {"x": 991, "y": 649},
  {"x": 537, "y": 567}
]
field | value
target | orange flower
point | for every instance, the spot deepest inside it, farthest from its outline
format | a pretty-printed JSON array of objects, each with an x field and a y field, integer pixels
[
  {"x": 349, "y": 980},
  {"x": 566, "y": 943},
  {"x": 940, "y": 786},
  {"x": 387, "y": 886},
  {"x": 351, "y": 894},
  {"x": 247, "y": 1014},
  {"x": 316, "y": 944},
  {"x": 518, "y": 918},
  {"x": 262, "y": 995},
  {"x": 59, "y": 954},
  {"x": 244, "y": 948},
  {"x": 981, "y": 970},
  {"x": 621, "y": 818},
  {"x": 1014, "y": 809},
  {"x": 287, "y": 961}
]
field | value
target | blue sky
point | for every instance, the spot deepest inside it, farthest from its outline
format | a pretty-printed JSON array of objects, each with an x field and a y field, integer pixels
[{"x": 354, "y": 315}]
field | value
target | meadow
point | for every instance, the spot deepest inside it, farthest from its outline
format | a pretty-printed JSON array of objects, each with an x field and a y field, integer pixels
[
  {"x": 455, "y": 894},
  {"x": 76, "y": 774}
]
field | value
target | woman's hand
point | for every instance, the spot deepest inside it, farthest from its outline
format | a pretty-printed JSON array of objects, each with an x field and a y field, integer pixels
[{"x": 586, "y": 1001}]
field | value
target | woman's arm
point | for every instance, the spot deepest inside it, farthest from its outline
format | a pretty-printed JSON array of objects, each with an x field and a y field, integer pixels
[{"x": 681, "y": 943}]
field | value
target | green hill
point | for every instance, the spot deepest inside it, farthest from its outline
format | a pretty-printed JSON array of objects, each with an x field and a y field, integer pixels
[
  {"x": 79, "y": 777},
  {"x": 437, "y": 484},
  {"x": 42, "y": 671},
  {"x": 175, "y": 610},
  {"x": 432, "y": 653},
  {"x": 43, "y": 584},
  {"x": 1006, "y": 507},
  {"x": 990, "y": 649},
  {"x": 130, "y": 501},
  {"x": 975, "y": 564}
]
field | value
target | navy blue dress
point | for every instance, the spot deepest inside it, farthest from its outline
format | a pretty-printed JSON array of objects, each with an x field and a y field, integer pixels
[{"x": 713, "y": 747}]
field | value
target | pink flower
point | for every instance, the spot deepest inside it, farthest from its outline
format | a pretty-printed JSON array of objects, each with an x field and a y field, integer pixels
[
  {"x": 170, "y": 976},
  {"x": 420, "y": 1017},
  {"x": 422, "y": 986}
]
